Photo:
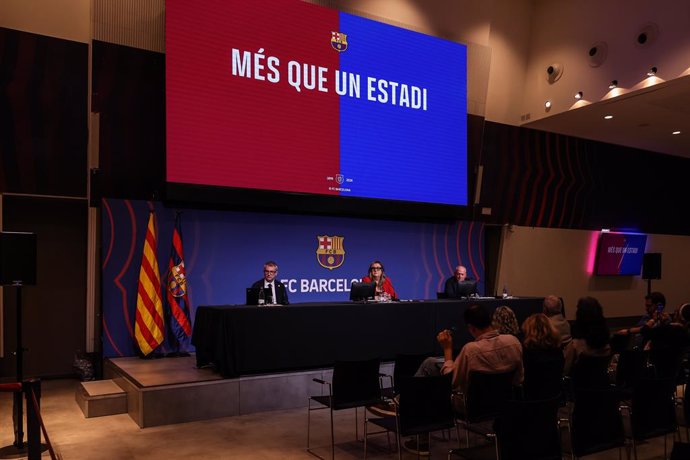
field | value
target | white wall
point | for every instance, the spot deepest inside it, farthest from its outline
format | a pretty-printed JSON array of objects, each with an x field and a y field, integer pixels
[
  {"x": 541, "y": 261},
  {"x": 563, "y": 31}
]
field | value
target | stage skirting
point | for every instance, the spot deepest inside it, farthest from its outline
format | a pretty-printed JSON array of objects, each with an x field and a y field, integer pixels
[{"x": 244, "y": 340}]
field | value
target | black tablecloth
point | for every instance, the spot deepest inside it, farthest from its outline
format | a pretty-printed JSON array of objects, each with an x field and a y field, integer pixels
[{"x": 241, "y": 340}]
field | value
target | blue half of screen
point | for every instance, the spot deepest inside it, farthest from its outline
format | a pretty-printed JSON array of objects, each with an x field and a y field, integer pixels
[{"x": 399, "y": 153}]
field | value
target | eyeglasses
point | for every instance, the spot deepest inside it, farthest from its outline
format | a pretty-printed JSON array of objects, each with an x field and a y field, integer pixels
[
  {"x": 271, "y": 271},
  {"x": 375, "y": 268}
]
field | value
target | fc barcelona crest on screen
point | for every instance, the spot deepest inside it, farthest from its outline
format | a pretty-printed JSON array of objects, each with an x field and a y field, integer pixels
[
  {"x": 339, "y": 41},
  {"x": 330, "y": 252},
  {"x": 177, "y": 282}
]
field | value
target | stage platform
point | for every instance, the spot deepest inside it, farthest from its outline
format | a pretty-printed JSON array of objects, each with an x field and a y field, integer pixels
[{"x": 173, "y": 390}]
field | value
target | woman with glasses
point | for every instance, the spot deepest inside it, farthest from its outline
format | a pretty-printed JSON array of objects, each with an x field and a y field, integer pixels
[{"x": 384, "y": 287}]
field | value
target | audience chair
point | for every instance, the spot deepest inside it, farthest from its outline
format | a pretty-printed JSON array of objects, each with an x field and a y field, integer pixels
[
  {"x": 666, "y": 361},
  {"x": 423, "y": 406},
  {"x": 588, "y": 372},
  {"x": 632, "y": 366},
  {"x": 406, "y": 365},
  {"x": 596, "y": 424},
  {"x": 441, "y": 295},
  {"x": 355, "y": 384},
  {"x": 681, "y": 451},
  {"x": 652, "y": 412},
  {"x": 543, "y": 379},
  {"x": 621, "y": 342},
  {"x": 526, "y": 430},
  {"x": 530, "y": 430},
  {"x": 484, "y": 401},
  {"x": 685, "y": 401}
]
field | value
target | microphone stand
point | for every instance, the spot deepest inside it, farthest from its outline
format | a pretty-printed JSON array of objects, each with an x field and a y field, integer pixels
[
  {"x": 18, "y": 407},
  {"x": 19, "y": 447}
]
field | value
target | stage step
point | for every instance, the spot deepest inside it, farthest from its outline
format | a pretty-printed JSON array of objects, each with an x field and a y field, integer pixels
[{"x": 101, "y": 397}]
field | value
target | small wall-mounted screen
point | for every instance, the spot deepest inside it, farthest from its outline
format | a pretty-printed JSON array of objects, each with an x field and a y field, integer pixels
[{"x": 620, "y": 253}]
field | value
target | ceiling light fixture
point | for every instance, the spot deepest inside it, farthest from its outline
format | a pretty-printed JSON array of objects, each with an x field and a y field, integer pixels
[
  {"x": 608, "y": 117},
  {"x": 547, "y": 104},
  {"x": 578, "y": 95},
  {"x": 675, "y": 132},
  {"x": 613, "y": 84},
  {"x": 651, "y": 72}
]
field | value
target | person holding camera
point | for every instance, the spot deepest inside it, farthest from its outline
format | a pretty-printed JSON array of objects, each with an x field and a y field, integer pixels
[{"x": 489, "y": 352}]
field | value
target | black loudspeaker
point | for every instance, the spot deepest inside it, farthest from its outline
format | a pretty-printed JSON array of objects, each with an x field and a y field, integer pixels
[
  {"x": 17, "y": 258},
  {"x": 651, "y": 266}
]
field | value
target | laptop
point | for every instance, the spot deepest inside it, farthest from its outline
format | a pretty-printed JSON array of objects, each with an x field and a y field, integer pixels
[{"x": 362, "y": 291}]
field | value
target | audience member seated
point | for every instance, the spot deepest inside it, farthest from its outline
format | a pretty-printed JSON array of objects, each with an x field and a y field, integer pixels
[
  {"x": 553, "y": 309},
  {"x": 591, "y": 335},
  {"x": 667, "y": 341},
  {"x": 452, "y": 287},
  {"x": 384, "y": 287},
  {"x": 654, "y": 305},
  {"x": 542, "y": 358},
  {"x": 505, "y": 322},
  {"x": 490, "y": 352}
]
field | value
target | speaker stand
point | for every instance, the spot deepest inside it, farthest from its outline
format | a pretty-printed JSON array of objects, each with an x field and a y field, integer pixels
[
  {"x": 18, "y": 404},
  {"x": 649, "y": 286}
]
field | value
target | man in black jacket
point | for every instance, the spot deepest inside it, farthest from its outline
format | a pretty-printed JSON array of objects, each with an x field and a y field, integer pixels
[
  {"x": 274, "y": 290},
  {"x": 453, "y": 289}
]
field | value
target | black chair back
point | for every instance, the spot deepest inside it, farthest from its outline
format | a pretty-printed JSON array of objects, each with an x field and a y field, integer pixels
[
  {"x": 425, "y": 404},
  {"x": 529, "y": 430},
  {"x": 597, "y": 424},
  {"x": 653, "y": 408},
  {"x": 543, "y": 373},
  {"x": 621, "y": 342},
  {"x": 686, "y": 403},
  {"x": 406, "y": 365},
  {"x": 441, "y": 295},
  {"x": 487, "y": 394},
  {"x": 356, "y": 383},
  {"x": 666, "y": 361},
  {"x": 591, "y": 372},
  {"x": 632, "y": 366}
]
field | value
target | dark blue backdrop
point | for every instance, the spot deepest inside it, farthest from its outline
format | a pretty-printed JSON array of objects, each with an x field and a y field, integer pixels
[{"x": 225, "y": 251}]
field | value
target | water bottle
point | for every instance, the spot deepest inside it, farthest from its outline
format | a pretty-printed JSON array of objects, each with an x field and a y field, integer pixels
[
  {"x": 505, "y": 291},
  {"x": 262, "y": 297}
]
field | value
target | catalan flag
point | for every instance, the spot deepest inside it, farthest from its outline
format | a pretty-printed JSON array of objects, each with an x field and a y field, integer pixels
[
  {"x": 176, "y": 289},
  {"x": 149, "y": 328}
]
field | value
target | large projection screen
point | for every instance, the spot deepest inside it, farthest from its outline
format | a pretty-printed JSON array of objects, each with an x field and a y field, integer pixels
[{"x": 287, "y": 96}]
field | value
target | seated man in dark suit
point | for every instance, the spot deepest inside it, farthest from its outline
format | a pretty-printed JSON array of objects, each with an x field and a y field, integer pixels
[
  {"x": 453, "y": 289},
  {"x": 275, "y": 291}
]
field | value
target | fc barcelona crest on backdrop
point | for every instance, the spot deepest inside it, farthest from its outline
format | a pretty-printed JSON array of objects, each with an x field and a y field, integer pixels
[
  {"x": 330, "y": 252},
  {"x": 339, "y": 41}
]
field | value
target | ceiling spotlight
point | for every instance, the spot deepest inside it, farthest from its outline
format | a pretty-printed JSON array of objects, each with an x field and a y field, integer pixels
[
  {"x": 547, "y": 104},
  {"x": 578, "y": 95},
  {"x": 651, "y": 72},
  {"x": 608, "y": 117},
  {"x": 613, "y": 84},
  {"x": 675, "y": 132}
]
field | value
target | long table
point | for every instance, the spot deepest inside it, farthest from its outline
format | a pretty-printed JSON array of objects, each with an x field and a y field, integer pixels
[{"x": 242, "y": 340}]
